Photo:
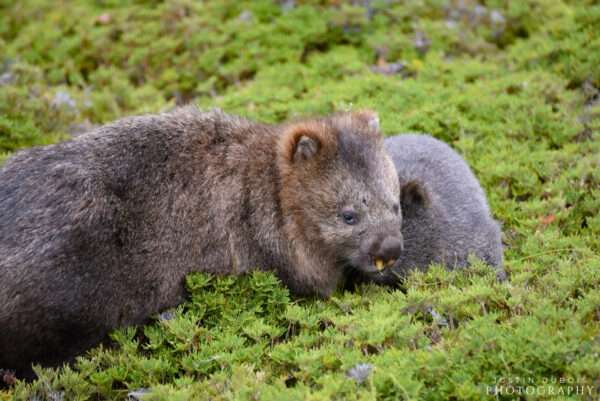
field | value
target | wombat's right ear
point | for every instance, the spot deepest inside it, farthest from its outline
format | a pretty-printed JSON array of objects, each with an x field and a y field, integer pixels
[
  {"x": 302, "y": 142},
  {"x": 367, "y": 117},
  {"x": 413, "y": 196}
]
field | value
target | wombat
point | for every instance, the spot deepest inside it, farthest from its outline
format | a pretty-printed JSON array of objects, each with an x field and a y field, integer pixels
[
  {"x": 99, "y": 232},
  {"x": 445, "y": 214}
]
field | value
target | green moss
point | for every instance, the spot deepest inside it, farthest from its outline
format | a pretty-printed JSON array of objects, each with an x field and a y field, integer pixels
[{"x": 513, "y": 86}]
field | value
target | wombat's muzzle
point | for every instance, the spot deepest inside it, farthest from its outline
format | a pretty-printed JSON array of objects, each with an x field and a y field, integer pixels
[{"x": 382, "y": 251}]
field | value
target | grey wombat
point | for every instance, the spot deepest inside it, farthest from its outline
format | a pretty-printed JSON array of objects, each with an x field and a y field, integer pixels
[
  {"x": 99, "y": 232},
  {"x": 445, "y": 214}
]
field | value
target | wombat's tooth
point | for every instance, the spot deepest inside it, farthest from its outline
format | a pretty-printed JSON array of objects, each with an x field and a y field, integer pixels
[{"x": 379, "y": 264}]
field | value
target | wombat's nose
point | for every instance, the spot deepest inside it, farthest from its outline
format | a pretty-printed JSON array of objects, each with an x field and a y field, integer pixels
[{"x": 388, "y": 250}]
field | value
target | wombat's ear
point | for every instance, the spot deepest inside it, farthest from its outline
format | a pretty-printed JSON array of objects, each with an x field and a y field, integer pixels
[
  {"x": 303, "y": 142},
  {"x": 306, "y": 148},
  {"x": 368, "y": 118},
  {"x": 413, "y": 196}
]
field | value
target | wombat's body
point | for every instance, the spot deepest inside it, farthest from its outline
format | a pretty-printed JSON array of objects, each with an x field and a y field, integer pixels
[
  {"x": 99, "y": 232},
  {"x": 445, "y": 213}
]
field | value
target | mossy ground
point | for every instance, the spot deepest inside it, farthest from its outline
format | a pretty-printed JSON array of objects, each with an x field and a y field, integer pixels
[{"x": 513, "y": 86}]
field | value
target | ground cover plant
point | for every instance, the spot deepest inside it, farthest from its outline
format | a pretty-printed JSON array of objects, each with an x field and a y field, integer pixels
[{"x": 513, "y": 86}]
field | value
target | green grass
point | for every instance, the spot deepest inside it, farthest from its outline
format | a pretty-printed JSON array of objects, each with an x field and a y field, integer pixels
[{"x": 512, "y": 88}]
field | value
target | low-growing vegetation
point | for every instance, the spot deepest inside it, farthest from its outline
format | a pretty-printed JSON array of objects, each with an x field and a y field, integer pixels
[{"x": 513, "y": 86}]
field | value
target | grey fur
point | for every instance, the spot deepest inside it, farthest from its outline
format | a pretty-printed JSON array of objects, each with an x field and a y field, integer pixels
[
  {"x": 446, "y": 217},
  {"x": 100, "y": 231}
]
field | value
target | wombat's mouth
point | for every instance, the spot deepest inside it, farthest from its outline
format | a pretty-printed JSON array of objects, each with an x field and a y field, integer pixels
[
  {"x": 381, "y": 265},
  {"x": 378, "y": 266}
]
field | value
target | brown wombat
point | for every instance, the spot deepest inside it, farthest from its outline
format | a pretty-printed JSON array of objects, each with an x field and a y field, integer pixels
[
  {"x": 99, "y": 232},
  {"x": 445, "y": 214}
]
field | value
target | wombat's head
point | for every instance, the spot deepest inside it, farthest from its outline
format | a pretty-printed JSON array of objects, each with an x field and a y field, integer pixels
[{"x": 340, "y": 191}]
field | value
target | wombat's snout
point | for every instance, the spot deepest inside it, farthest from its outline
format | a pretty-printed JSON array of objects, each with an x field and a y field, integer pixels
[
  {"x": 389, "y": 249},
  {"x": 383, "y": 250}
]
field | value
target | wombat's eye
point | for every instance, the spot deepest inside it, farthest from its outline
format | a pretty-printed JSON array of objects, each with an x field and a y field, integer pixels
[
  {"x": 395, "y": 208},
  {"x": 349, "y": 217}
]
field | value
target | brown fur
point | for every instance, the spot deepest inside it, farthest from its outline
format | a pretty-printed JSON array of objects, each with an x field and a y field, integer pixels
[{"x": 100, "y": 231}]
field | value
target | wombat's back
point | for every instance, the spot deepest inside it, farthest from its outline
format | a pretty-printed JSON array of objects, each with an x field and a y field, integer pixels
[
  {"x": 89, "y": 229},
  {"x": 48, "y": 200},
  {"x": 455, "y": 219}
]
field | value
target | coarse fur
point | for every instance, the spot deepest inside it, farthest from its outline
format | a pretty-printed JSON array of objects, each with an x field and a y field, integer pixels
[
  {"x": 445, "y": 214},
  {"x": 99, "y": 232}
]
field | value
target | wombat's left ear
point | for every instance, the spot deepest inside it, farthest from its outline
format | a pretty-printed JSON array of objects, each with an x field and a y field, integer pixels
[
  {"x": 368, "y": 118},
  {"x": 306, "y": 148}
]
